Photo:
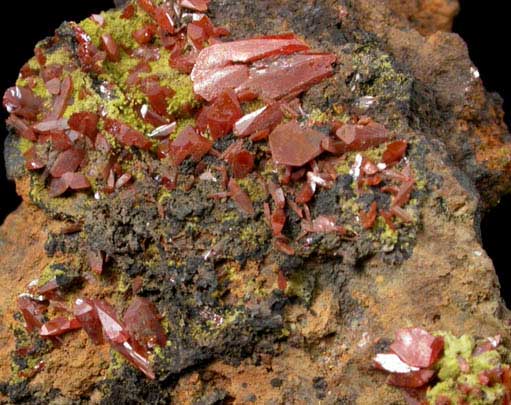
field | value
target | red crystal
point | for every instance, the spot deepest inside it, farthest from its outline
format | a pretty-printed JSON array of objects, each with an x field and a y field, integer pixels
[
  {"x": 157, "y": 95},
  {"x": 61, "y": 101},
  {"x": 53, "y": 86},
  {"x": 135, "y": 358},
  {"x": 21, "y": 127},
  {"x": 292, "y": 145},
  {"x": 287, "y": 76},
  {"x": 110, "y": 46},
  {"x": 278, "y": 220},
  {"x": 277, "y": 194},
  {"x": 128, "y": 12},
  {"x": 240, "y": 197},
  {"x": 197, "y": 35},
  {"x": 265, "y": 118},
  {"x": 58, "y": 186},
  {"x": 359, "y": 137},
  {"x": 182, "y": 63},
  {"x": 127, "y": 135},
  {"x": 417, "y": 347},
  {"x": 22, "y": 102},
  {"x": 33, "y": 161},
  {"x": 248, "y": 50},
  {"x": 163, "y": 17},
  {"x": 196, "y": 5},
  {"x": 282, "y": 281},
  {"x": 188, "y": 144},
  {"x": 76, "y": 181},
  {"x": 67, "y": 161},
  {"x": 51, "y": 72},
  {"x": 148, "y": 6},
  {"x": 394, "y": 152},
  {"x": 40, "y": 56},
  {"x": 32, "y": 313},
  {"x": 86, "y": 314},
  {"x": 223, "y": 113},
  {"x": 210, "y": 83},
  {"x": 415, "y": 379},
  {"x": 85, "y": 123},
  {"x": 59, "y": 326},
  {"x": 113, "y": 329},
  {"x": 323, "y": 224},
  {"x": 242, "y": 163},
  {"x": 60, "y": 141},
  {"x": 145, "y": 35},
  {"x": 368, "y": 218},
  {"x": 89, "y": 56},
  {"x": 143, "y": 324}
]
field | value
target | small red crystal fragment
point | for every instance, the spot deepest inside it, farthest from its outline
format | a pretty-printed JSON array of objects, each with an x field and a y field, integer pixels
[
  {"x": 22, "y": 102},
  {"x": 127, "y": 135},
  {"x": 305, "y": 194},
  {"x": 145, "y": 35},
  {"x": 292, "y": 145},
  {"x": 403, "y": 194},
  {"x": 394, "y": 152},
  {"x": 242, "y": 163},
  {"x": 210, "y": 83},
  {"x": 188, "y": 144},
  {"x": 277, "y": 194},
  {"x": 40, "y": 56},
  {"x": 32, "y": 313},
  {"x": 85, "y": 123},
  {"x": 240, "y": 197},
  {"x": 278, "y": 220},
  {"x": 163, "y": 16},
  {"x": 133, "y": 78},
  {"x": 51, "y": 72},
  {"x": 53, "y": 86},
  {"x": 197, "y": 35},
  {"x": 123, "y": 180},
  {"x": 86, "y": 314},
  {"x": 59, "y": 326},
  {"x": 248, "y": 50},
  {"x": 148, "y": 6},
  {"x": 67, "y": 161},
  {"x": 359, "y": 137},
  {"x": 157, "y": 95},
  {"x": 96, "y": 261},
  {"x": 113, "y": 329},
  {"x": 196, "y": 5},
  {"x": 415, "y": 379},
  {"x": 284, "y": 247},
  {"x": 223, "y": 113},
  {"x": 61, "y": 101},
  {"x": 128, "y": 12},
  {"x": 323, "y": 224},
  {"x": 90, "y": 57},
  {"x": 98, "y": 19},
  {"x": 102, "y": 144},
  {"x": 287, "y": 76},
  {"x": 182, "y": 63},
  {"x": 33, "y": 161},
  {"x": 368, "y": 218},
  {"x": 417, "y": 347},
  {"x": 265, "y": 118},
  {"x": 143, "y": 324},
  {"x": 110, "y": 46}
]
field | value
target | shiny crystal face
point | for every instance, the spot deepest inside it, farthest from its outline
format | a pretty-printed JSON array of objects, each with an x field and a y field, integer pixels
[{"x": 159, "y": 86}]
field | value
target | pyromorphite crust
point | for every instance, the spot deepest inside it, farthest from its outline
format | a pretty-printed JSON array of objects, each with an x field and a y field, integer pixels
[{"x": 137, "y": 127}]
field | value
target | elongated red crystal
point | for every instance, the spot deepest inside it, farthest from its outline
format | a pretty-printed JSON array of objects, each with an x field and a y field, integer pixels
[
  {"x": 113, "y": 329},
  {"x": 417, "y": 347},
  {"x": 292, "y": 145},
  {"x": 210, "y": 83},
  {"x": 139, "y": 360},
  {"x": 394, "y": 152},
  {"x": 58, "y": 326},
  {"x": 33, "y": 160},
  {"x": 248, "y": 50},
  {"x": 240, "y": 197},
  {"x": 265, "y": 118},
  {"x": 242, "y": 163},
  {"x": 362, "y": 137},
  {"x": 196, "y": 5},
  {"x": 21, "y": 127},
  {"x": 86, "y": 314},
  {"x": 110, "y": 46},
  {"x": 67, "y": 161},
  {"x": 287, "y": 76},
  {"x": 32, "y": 313},
  {"x": 143, "y": 324}
]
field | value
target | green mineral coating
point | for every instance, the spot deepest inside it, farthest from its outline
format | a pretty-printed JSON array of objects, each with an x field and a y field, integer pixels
[
  {"x": 24, "y": 145},
  {"x": 50, "y": 272},
  {"x": 255, "y": 190},
  {"x": 450, "y": 374}
]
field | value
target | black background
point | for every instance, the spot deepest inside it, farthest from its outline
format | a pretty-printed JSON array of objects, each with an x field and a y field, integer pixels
[{"x": 485, "y": 28}]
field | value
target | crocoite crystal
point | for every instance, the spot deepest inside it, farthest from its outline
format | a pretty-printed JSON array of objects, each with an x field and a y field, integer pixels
[
  {"x": 86, "y": 314},
  {"x": 143, "y": 325},
  {"x": 293, "y": 145},
  {"x": 59, "y": 326},
  {"x": 417, "y": 347}
]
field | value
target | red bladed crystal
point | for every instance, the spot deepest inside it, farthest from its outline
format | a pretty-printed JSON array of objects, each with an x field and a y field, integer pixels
[
  {"x": 265, "y": 118},
  {"x": 59, "y": 326},
  {"x": 143, "y": 323},
  {"x": 86, "y": 314},
  {"x": 417, "y": 347},
  {"x": 67, "y": 161}
]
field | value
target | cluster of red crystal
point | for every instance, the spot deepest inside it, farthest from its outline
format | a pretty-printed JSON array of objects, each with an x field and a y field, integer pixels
[
  {"x": 135, "y": 337},
  {"x": 415, "y": 349}
]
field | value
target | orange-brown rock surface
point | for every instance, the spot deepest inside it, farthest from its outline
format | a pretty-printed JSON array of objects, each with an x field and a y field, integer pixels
[{"x": 313, "y": 340}]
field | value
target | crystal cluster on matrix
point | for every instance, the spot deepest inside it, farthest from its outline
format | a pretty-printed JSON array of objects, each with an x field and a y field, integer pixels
[{"x": 227, "y": 76}]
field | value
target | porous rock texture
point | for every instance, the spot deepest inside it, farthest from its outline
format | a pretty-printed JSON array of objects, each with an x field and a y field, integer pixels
[{"x": 398, "y": 64}]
